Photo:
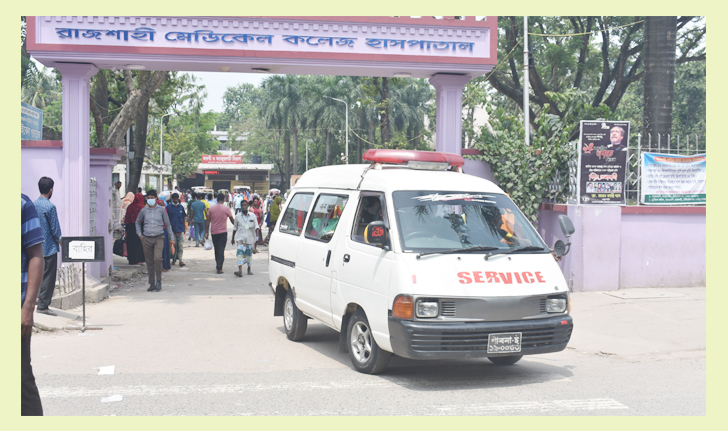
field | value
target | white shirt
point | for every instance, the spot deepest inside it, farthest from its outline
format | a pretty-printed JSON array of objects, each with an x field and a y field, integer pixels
[{"x": 244, "y": 227}]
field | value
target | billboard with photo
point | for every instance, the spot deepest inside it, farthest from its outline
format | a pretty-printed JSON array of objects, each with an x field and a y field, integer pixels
[{"x": 603, "y": 151}]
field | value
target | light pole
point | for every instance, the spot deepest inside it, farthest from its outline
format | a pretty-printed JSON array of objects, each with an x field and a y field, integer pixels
[
  {"x": 346, "y": 105},
  {"x": 307, "y": 154},
  {"x": 161, "y": 149}
]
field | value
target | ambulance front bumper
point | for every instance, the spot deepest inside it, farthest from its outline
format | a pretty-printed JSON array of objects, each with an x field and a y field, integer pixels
[{"x": 450, "y": 340}]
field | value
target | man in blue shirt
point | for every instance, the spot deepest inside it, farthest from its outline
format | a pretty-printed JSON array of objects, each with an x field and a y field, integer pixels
[
  {"x": 199, "y": 214},
  {"x": 31, "y": 273},
  {"x": 177, "y": 216},
  {"x": 48, "y": 217}
]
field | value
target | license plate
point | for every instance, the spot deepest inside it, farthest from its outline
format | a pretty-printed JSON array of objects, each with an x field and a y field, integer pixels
[{"x": 509, "y": 342}]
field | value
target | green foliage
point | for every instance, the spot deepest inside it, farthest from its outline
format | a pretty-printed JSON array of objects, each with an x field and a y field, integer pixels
[{"x": 527, "y": 172}]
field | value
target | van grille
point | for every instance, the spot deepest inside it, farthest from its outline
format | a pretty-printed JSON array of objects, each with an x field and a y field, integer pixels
[
  {"x": 542, "y": 307},
  {"x": 447, "y": 309}
]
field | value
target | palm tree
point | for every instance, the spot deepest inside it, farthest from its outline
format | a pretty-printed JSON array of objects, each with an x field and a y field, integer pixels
[
  {"x": 409, "y": 107},
  {"x": 284, "y": 107},
  {"x": 42, "y": 91},
  {"x": 326, "y": 113}
]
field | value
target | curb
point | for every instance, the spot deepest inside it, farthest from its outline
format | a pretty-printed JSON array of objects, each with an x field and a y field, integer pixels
[{"x": 74, "y": 299}]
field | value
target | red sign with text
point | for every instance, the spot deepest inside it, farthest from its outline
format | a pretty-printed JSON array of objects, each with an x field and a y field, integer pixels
[{"x": 207, "y": 158}]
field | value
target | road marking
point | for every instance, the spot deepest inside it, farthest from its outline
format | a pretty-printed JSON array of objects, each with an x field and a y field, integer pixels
[
  {"x": 65, "y": 392},
  {"x": 538, "y": 406}
]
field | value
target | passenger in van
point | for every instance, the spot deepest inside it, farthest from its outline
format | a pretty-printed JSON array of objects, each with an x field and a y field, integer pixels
[{"x": 371, "y": 210}]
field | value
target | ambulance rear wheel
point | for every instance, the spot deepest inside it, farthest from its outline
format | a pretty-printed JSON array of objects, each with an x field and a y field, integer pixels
[
  {"x": 505, "y": 360},
  {"x": 294, "y": 322},
  {"x": 364, "y": 352}
]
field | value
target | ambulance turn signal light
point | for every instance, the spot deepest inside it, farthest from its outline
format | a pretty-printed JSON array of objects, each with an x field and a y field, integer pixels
[
  {"x": 402, "y": 307},
  {"x": 402, "y": 157}
]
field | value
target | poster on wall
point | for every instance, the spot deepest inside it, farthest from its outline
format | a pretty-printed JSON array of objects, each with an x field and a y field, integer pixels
[
  {"x": 668, "y": 179},
  {"x": 603, "y": 150}
]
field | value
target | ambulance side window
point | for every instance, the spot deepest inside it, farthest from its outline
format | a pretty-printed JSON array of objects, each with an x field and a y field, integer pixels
[
  {"x": 372, "y": 207},
  {"x": 325, "y": 217},
  {"x": 296, "y": 212}
]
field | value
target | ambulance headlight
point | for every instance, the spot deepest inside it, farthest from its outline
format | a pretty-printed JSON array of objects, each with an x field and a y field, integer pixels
[
  {"x": 556, "y": 304},
  {"x": 427, "y": 308}
]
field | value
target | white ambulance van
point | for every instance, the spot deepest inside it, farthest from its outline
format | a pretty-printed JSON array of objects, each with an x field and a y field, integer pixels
[{"x": 410, "y": 256}]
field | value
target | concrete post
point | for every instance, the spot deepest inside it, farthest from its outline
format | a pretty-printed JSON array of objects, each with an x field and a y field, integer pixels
[
  {"x": 76, "y": 143},
  {"x": 449, "y": 126}
]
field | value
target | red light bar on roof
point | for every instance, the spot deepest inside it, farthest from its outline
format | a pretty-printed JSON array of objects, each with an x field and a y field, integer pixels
[{"x": 402, "y": 157}]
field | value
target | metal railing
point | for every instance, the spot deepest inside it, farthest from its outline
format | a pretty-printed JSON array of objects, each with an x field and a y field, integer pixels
[{"x": 664, "y": 144}]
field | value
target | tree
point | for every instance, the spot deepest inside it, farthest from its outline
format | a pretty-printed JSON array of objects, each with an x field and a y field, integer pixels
[
  {"x": 603, "y": 62},
  {"x": 28, "y": 71},
  {"x": 660, "y": 45},
  {"x": 326, "y": 113}
]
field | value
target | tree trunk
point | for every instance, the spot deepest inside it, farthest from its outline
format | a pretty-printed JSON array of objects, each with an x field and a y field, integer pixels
[
  {"x": 118, "y": 127},
  {"x": 140, "y": 135},
  {"x": 385, "y": 126},
  {"x": 294, "y": 138},
  {"x": 371, "y": 133},
  {"x": 660, "y": 45},
  {"x": 287, "y": 159},
  {"x": 358, "y": 138},
  {"x": 328, "y": 148}
]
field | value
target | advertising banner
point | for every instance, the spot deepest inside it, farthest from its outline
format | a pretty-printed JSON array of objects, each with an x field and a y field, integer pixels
[
  {"x": 206, "y": 158},
  {"x": 603, "y": 150},
  {"x": 673, "y": 180},
  {"x": 31, "y": 123}
]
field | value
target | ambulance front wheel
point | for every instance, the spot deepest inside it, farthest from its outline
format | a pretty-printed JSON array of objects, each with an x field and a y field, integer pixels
[
  {"x": 364, "y": 352},
  {"x": 294, "y": 322},
  {"x": 505, "y": 360}
]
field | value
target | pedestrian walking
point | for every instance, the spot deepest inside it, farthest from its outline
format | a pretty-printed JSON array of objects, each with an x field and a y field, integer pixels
[
  {"x": 190, "y": 200},
  {"x": 199, "y": 214},
  {"x": 275, "y": 211},
  {"x": 116, "y": 197},
  {"x": 258, "y": 211},
  {"x": 134, "y": 247},
  {"x": 31, "y": 274},
  {"x": 150, "y": 226},
  {"x": 177, "y": 216},
  {"x": 217, "y": 227},
  {"x": 166, "y": 255},
  {"x": 48, "y": 217},
  {"x": 244, "y": 229},
  {"x": 238, "y": 198}
]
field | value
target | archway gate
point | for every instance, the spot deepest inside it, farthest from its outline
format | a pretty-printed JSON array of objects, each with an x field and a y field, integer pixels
[{"x": 449, "y": 52}]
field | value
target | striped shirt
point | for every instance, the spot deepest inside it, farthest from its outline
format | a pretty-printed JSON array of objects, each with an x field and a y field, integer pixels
[
  {"x": 49, "y": 223},
  {"x": 30, "y": 234}
]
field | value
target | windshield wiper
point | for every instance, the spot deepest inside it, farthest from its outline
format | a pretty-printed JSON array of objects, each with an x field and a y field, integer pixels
[
  {"x": 458, "y": 250},
  {"x": 526, "y": 248}
]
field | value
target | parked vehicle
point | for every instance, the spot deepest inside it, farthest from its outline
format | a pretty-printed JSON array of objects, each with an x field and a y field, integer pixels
[{"x": 409, "y": 256}]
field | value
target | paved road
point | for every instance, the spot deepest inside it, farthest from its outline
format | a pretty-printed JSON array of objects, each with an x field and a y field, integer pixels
[{"x": 208, "y": 344}]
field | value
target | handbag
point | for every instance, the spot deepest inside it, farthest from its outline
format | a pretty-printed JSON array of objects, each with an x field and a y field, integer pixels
[{"x": 119, "y": 247}]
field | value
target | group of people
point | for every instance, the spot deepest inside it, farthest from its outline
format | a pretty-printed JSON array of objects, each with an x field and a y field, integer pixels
[{"x": 155, "y": 229}]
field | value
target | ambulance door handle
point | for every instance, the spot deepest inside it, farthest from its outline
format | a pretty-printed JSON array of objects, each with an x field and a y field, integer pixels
[
  {"x": 328, "y": 257},
  {"x": 346, "y": 258}
]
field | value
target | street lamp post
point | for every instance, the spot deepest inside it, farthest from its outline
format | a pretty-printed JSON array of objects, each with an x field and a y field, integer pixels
[
  {"x": 346, "y": 105},
  {"x": 161, "y": 149}
]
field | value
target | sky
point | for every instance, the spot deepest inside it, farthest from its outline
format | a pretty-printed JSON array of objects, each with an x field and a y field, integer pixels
[{"x": 217, "y": 82}]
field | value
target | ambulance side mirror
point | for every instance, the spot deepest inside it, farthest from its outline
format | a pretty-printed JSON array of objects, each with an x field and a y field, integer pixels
[
  {"x": 567, "y": 227},
  {"x": 376, "y": 233}
]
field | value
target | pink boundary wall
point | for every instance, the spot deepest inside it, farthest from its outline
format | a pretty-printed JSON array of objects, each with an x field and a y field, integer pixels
[
  {"x": 45, "y": 158},
  {"x": 615, "y": 247}
]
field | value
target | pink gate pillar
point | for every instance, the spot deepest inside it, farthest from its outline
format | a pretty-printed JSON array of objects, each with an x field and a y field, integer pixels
[
  {"x": 101, "y": 163},
  {"x": 449, "y": 125},
  {"x": 76, "y": 142}
]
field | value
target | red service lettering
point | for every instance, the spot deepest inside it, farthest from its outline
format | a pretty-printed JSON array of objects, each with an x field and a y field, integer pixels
[
  {"x": 492, "y": 277},
  {"x": 464, "y": 278}
]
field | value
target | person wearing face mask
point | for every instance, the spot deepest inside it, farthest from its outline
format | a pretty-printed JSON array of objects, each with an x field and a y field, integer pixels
[
  {"x": 177, "y": 216},
  {"x": 48, "y": 217},
  {"x": 150, "y": 226},
  {"x": 217, "y": 219},
  {"x": 244, "y": 229}
]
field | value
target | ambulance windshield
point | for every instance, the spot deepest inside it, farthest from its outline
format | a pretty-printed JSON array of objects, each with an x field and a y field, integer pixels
[{"x": 436, "y": 220}]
